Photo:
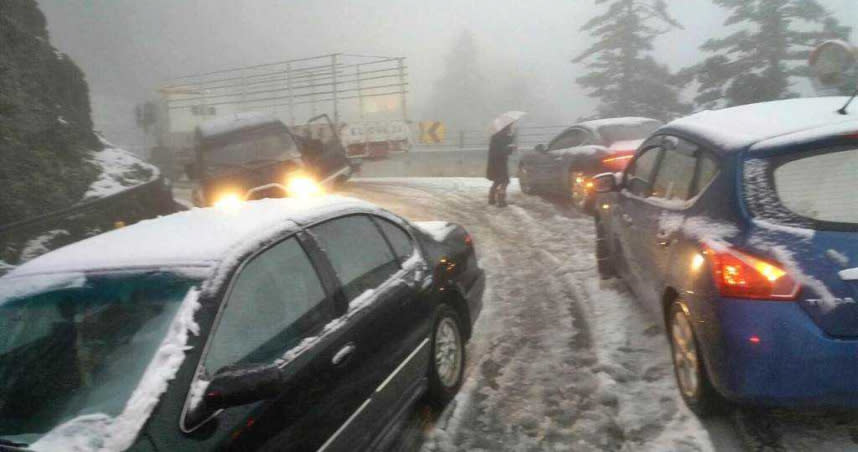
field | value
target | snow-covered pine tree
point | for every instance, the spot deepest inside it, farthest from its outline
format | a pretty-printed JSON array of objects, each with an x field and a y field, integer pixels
[
  {"x": 623, "y": 75},
  {"x": 768, "y": 47}
]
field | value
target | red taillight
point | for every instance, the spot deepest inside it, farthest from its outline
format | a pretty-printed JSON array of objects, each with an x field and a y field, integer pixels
[
  {"x": 618, "y": 161},
  {"x": 469, "y": 241},
  {"x": 739, "y": 275}
]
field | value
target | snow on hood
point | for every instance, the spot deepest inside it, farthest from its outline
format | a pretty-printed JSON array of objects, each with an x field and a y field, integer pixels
[
  {"x": 579, "y": 150},
  {"x": 102, "y": 433},
  {"x": 742, "y": 126},
  {"x": 439, "y": 230},
  {"x": 622, "y": 121},
  {"x": 235, "y": 122},
  {"x": 120, "y": 170}
]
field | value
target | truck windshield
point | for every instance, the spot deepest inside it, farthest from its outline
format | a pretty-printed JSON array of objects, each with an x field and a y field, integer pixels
[
  {"x": 78, "y": 348},
  {"x": 244, "y": 149}
]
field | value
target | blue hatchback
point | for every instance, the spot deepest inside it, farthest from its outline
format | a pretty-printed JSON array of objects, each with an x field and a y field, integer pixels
[{"x": 739, "y": 228}]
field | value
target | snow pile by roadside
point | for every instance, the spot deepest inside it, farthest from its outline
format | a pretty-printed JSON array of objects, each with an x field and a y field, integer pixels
[{"x": 120, "y": 170}]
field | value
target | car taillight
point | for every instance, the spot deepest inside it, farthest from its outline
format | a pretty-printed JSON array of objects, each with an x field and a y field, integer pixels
[
  {"x": 469, "y": 241},
  {"x": 618, "y": 162},
  {"x": 740, "y": 275}
]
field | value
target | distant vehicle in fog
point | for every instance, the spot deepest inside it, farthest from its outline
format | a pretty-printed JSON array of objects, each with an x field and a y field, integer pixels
[
  {"x": 565, "y": 167},
  {"x": 283, "y": 325},
  {"x": 738, "y": 228},
  {"x": 255, "y": 154}
]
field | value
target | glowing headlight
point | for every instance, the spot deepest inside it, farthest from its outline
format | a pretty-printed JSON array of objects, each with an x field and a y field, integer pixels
[
  {"x": 302, "y": 187},
  {"x": 229, "y": 201}
]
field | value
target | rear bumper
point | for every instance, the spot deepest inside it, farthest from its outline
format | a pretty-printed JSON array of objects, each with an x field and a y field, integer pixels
[
  {"x": 771, "y": 353},
  {"x": 474, "y": 296}
]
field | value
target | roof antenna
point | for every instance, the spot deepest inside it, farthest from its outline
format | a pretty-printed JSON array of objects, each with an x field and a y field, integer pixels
[{"x": 843, "y": 111}]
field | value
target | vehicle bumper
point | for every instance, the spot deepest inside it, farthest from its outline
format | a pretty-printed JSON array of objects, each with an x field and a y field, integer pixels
[
  {"x": 773, "y": 354},
  {"x": 474, "y": 296}
]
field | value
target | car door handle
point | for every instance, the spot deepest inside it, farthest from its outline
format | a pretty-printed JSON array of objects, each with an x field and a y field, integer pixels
[{"x": 342, "y": 356}]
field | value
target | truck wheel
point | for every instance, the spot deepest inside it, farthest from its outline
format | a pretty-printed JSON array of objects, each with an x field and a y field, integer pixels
[{"x": 447, "y": 359}]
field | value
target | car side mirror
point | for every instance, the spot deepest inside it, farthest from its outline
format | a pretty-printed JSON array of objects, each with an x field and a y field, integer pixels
[
  {"x": 240, "y": 385},
  {"x": 540, "y": 148},
  {"x": 605, "y": 183}
]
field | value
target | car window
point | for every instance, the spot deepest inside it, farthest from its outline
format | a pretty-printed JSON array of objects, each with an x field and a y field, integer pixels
[
  {"x": 707, "y": 168},
  {"x": 572, "y": 138},
  {"x": 358, "y": 252},
  {"x": 820, "y": 187},
  {"x": 639, "y": 173},
  {"x": 676, "y": 172},
  {"x": 401, "y": 242},
  {"x": 274, "y": 302}
]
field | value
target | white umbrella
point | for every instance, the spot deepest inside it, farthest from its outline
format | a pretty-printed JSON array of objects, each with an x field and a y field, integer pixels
[{"x": 504, "y": 120}]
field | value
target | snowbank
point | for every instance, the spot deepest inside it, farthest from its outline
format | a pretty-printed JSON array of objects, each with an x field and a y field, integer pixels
[{"x": 120, "y": 170}]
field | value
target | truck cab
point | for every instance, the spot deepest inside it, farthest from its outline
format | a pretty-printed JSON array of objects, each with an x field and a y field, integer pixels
[{"x": 254, "y": 155}]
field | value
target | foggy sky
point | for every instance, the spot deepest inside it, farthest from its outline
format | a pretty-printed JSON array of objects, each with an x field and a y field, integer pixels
[{"x": 128, "y": 47}]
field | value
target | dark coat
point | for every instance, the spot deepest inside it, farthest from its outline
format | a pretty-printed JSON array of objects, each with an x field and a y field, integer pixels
[{"x": 500, "y": 147}]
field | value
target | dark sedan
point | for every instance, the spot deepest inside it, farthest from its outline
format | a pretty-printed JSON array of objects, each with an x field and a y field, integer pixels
[
  {"x": 566, "y": 166},
  {"x": 279, "y": 324}
]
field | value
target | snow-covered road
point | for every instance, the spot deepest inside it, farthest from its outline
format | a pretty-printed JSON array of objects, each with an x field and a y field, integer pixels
[{"x": 558, "y": 361}]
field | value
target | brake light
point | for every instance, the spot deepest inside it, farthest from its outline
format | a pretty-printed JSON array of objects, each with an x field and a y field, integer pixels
[
  {"x": 740, "y": 275},
  {"x": 618, "y": 162},
  {"x": 469, "y": 241}
]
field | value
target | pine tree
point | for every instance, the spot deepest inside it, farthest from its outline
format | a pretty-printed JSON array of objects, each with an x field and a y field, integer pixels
[
  {"x": 460, "y": 98},
  {"x": 770, "y": 47},
  {"x": 622, "y": 72}
]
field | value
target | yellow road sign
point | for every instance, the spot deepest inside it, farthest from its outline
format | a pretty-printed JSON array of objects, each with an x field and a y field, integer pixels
[{"x": 432, "y": 132}]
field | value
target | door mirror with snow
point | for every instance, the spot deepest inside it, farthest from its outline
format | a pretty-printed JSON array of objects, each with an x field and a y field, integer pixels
[
  {"x": 540, "y": 148},
  {"x": 605, "y": 183}
]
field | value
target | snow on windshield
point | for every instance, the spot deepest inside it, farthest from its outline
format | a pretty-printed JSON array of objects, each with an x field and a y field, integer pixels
[{"x": 100, "y": 432}]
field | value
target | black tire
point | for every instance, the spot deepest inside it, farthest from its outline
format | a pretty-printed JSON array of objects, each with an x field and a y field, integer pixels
[
  {"x": 442, "y": 389},
  {"x": 702, "y": 398},
  {"x": 604, "y": 258},
  {"x": 524, "y": 181}
]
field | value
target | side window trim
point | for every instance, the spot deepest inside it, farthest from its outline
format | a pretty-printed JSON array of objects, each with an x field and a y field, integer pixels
[{"x": 376, "y": 219}]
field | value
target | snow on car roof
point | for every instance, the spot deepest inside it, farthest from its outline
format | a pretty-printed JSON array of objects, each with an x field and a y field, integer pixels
[
  {"x": 738, "y": 127},
  {"x": 194, "y": 238},
  {"x": 624, "y": 121},
  {"x": 233, "y": 122}
]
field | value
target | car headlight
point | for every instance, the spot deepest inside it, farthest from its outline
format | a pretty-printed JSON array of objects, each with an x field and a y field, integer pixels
[
  {"x": 302, "y": 187},
  {"x": 228, "y": 201}
]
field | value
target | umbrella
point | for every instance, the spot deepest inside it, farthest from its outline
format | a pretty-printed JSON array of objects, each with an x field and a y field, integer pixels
[{"x": 504, "y": 120}]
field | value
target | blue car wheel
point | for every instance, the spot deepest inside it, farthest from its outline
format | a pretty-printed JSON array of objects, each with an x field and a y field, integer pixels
[{"x": 691, "y": 377}]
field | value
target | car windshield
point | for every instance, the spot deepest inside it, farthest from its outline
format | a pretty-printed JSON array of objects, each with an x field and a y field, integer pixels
[
  {"x": 253, "y": 148},
  {"x": 625, "y": 132},
  {"x": 78, "y": 347}
]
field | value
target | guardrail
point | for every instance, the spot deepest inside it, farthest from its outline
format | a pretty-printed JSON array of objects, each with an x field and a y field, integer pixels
[{"x": 23, "y": 240}]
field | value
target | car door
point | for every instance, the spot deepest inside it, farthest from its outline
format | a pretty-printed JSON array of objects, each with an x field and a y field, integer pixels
[
  {"x": 657, "y": 220},
  {"x": 323, "y": 150},
  {"x": 383, "y": 307},
  {"x": 274, "y": 312},
  {"x": 636, "y": 187}
]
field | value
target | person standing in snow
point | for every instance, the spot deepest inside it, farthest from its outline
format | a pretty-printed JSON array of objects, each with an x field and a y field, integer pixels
[{"x": 501, "y": 146}]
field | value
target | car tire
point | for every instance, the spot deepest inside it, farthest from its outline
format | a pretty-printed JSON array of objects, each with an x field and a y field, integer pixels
[
  {"x": 524, "y": 181},
  {"x": 604, "y": 258},
  {"x": 692, "y": 379},
  {"x": 447, "y": 357}
]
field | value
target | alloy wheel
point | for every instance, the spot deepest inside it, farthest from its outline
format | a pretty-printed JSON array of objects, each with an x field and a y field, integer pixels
[
  {"x": 448, "y": 352},
  {"x": 685, "y": 357}
]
